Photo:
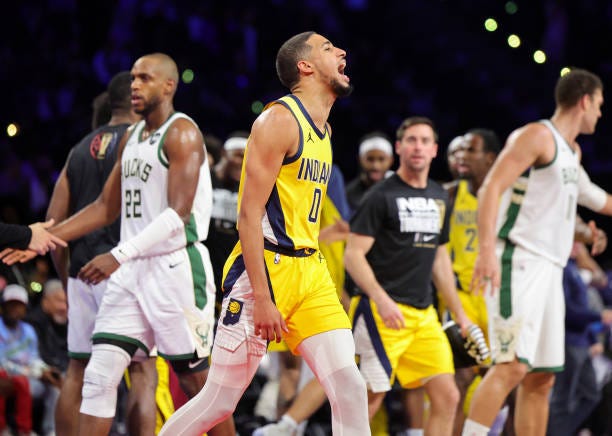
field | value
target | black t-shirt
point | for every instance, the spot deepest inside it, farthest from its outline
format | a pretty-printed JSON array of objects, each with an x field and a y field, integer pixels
[
  {"x": 52, "y": 338},
  {"x": 408, "y": 225},
  {"x": 89, "y": 165},
  {"x": 355, "y": 190}
]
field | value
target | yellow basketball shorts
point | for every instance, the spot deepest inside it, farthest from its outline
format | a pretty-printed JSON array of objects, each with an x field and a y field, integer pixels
[
  {"x": 413, "y": 354},
  {"x": 302, "y": 290}
]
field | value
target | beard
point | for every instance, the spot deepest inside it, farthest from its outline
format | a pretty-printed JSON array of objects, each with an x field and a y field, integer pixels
[
  {"x": 59, "y": 319},
  {"x": 341, "y": 89}
]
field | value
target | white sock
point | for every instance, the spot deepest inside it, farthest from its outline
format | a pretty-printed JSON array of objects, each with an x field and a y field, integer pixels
[
  {"x": 472, "y": 428},
  {"x": 414, "y": 432},
  {"x": 289, "y": 420}
]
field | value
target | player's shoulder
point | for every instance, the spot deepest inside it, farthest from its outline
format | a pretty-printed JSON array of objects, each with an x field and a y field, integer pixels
[
  {"x": 275, "y": 113},
  {"x": 183, "y": 122},
  {"x": 276, "y": 125},
  {"x": 182, "y": 127},
  {"x": 534, "y": 131}
]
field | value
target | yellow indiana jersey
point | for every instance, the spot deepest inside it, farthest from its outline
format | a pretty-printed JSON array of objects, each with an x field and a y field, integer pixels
[
  {"x": 293, "y": 209},
  {"x": 463, "y": 237}
]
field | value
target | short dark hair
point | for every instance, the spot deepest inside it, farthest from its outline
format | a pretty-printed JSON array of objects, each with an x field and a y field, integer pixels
[
  {"x": 574, "y": 85},
  {"x": 292, "y": 50},
  {"x": 413, "y": 121},
  {"x": 489, "y": 138},
  {"x": 119, "y": 91},
  {"x": 101, "y": 110}
]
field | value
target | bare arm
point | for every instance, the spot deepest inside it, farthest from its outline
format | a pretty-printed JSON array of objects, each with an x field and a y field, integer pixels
[
  {"x": 444, "y": 280},
  {"x": 338, "y": 231},
  {"x": 101, "y": 212},
  {"x": 184, "y": 147},
  {"x": 59, "y": 208},
  {"x": 532, "y": 144},
  {"x": 607, "y": 209},
  {"x": 357, "y": 246},
  {"x": 274, "y": 135}
]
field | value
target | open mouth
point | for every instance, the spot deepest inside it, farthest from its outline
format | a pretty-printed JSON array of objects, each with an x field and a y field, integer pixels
[{"x": 341, "y": 68}]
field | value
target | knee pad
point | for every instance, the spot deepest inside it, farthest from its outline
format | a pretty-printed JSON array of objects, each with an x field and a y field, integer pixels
[{"x": 102, "y": 376}]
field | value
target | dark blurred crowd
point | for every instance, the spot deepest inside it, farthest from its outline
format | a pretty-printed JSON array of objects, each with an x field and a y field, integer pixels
[{"x": 404, "y": 57}]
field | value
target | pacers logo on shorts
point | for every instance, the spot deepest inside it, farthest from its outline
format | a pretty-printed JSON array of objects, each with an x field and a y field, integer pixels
[{"x": 232, "y": 314}]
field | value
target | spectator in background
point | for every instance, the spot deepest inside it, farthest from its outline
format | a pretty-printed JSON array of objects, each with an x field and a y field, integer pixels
[
  {"x": 213, "y": 149},
  {"x": 575, "y": 393},
  {"x": 50, "y": 321},
  {"x": 375, "y": 160},
  {"x": 20, "y": 361},
  {"x": 453, "y": 153}
]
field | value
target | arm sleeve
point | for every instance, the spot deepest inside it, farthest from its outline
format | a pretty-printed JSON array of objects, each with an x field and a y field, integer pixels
[
  {"x": 166, "y": 225},
  {"x": 15, "y": 236},
  {"x": 589, "y": 194}
]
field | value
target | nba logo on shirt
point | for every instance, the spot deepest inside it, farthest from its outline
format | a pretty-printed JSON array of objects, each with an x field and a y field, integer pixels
[{"x": 232, "y": 314}]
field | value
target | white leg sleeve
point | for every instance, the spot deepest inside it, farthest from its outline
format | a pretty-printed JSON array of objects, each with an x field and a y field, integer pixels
[
  {"x": 331, "y": 356},
  {"x": 102, "y": 376},
  {"x": 306, "y": 375},
  {"x": 229, "y": 375},
  {"x": 472, "y": 428}
]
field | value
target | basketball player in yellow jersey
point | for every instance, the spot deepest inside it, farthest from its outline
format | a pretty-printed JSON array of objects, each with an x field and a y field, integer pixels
[
  {"x": 477, "y": 153},
  {"x": 276, "y": 284}
]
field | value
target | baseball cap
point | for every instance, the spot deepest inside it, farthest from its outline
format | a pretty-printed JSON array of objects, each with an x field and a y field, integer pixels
[{"x": 15, "y": 293}]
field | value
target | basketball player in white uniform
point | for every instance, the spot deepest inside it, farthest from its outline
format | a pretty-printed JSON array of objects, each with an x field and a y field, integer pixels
[
  {"x": 521, "y": 259},
  {"x": 161, "y": 291}
]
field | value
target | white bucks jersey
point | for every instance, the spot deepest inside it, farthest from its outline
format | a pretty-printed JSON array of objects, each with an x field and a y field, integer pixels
[
  {"x": 538, "y": 212},
  {"x": 144, "y": 188}
]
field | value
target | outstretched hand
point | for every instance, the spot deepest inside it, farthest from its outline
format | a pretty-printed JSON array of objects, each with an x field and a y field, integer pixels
[
  {"x": 42, "y": 241},
  {"x": 600, "y": 239},
  {"x": 11, "y": 256}
]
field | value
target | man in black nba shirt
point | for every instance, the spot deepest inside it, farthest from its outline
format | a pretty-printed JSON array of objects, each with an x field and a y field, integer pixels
[{"x": 395, "y": 249}]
